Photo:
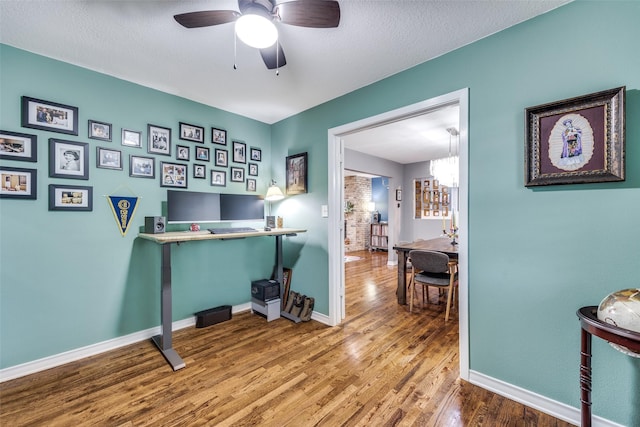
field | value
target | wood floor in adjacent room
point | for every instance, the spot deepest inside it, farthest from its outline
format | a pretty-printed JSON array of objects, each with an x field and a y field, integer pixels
[{"x": 381, "y": 367}]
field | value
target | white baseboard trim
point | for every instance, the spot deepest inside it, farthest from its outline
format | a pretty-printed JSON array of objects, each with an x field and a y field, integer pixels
[
  {"x": 536, "y": 401},
  {"x": 49, "y": 362}
]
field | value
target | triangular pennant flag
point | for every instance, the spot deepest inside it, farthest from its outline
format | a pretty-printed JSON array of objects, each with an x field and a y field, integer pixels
[{"x": 123, "y": 208}]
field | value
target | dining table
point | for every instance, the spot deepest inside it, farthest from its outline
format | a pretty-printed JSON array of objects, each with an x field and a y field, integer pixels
[{"x": 439, "y": 244}]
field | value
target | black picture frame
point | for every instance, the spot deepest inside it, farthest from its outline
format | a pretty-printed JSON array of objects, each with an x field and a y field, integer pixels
[
  {"x": 107, "y": 158},
  {"x": 70, "y": 198},
  {"x": 49, "y": 116},
  {"x": 222, "y": 157},
  {"x": 68, "y": 159},
  {"x": 18, "y": 183},
  {"x": 218, "y": 136},
  {"x": 18, "y": 146},
  {"x": 191, "y": 132},
  {"x": 255, "y": 154},
  {"x": 203, "y": 154},
  {"x": 182, "y": 152},
  {"x": 239, "y": 152},
  {"x": 218, "y": 178},
  {"x": 237, "y": 174},
  {"x": 253, "y": 169},
  {"x": 251, "y": 185},
  {"x": 142, "y": 167},
  {"x": 173, "y": 175},
  {"x": 159, "y": 140},
  {"x": 577, "y": 140},
  {"x": 199, "y": 171},
  {"x": 131, "y": 138},
  {"x": 99, "y": 130},
  {"x": 296, "y": 174}
]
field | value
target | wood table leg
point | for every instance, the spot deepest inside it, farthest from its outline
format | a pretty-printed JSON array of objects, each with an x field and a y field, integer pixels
[
  {"x": 401, "y": 292},
  {"x": 585, "y": 378}
]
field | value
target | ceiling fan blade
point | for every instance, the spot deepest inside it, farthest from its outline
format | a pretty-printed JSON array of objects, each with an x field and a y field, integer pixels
[
  {"x": 273, "y": 56},
  {"x": 206, "y": 18},
  {"x": 309, "y": 13}
]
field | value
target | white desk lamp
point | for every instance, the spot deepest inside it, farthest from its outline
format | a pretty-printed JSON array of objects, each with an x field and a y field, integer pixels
[{"x": 273, "y": 193}]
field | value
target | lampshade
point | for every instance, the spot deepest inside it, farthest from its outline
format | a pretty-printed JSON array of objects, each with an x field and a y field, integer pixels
[
  {"x": 256, "y": 31},
  {"x": 274, "y": 193},
  {"x": 371, "y": 206}
]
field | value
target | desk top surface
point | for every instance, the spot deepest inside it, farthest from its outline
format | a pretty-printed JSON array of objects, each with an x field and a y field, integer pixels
[
  {"x": 190, "y": 236},
  {"x": 440, "y": 244}
]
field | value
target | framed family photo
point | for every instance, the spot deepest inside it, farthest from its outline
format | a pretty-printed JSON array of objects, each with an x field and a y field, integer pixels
[
  {"x": 237, "y": 175},
  {"x": 202, "y": 154},
  {"x": 577, "y": 140},
  {"x": 182, "y": 152},
  {"x": 51, "y": 116},
  {"x": 253, "y": 169},
  {"x": 131, "y": 138},
  {"x": 296, "y": 172},
  {"x": 159, "y": 140},
  {"x": 221, "y": 158},
  {"x": 142, "y": 167},
  {"x": 68, "y": 159},
  {"x": 219, "y": 136},
  {"x": 70, "y": 198},
  {"x": 191, "y": 132},
  {"x": 108, "y": 159},
  {"x": 173, "y": 175},
  {"x": 251, "y": 184},
  {"x": 218, "y": 178},
  {"x": 256, "y": 154},
  {"x": 99, "y": 130},
  {"x": 18, "y": 183},
  {"x": 199, "y": 171},
  {"x": 18, "y": 146},
  {"x": 239, "y": 152}
]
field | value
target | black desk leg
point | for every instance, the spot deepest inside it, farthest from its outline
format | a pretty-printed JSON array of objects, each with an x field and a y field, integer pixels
[
  {"x": 163, "y": 341},
  {"x": 585, "y": 378},
  {"x": 279, "y": 278},
  {"x": 401, "y": 292}
]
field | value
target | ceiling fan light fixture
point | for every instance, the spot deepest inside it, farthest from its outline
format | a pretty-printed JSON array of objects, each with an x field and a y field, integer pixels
[{"x": 256, "y": 31}]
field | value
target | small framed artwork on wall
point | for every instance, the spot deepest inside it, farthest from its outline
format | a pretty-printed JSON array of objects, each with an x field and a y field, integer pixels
[
  {"x": 221, "y": 158},
  {"x": 131, "y": 138},
  {"x": 219, "y": 136},
  {"x": 51, "y": 116},
  {"x": 100, "y": 130},
  {"x": 191, "y": 132},
  {"x": 18, "y": 146},
  {"x": 297, "y": 174},
  {"x": 142, "y": 167},
  {"x": 237, "y": 175},
  {"x": 70, "y": 198},
  {"x": 108, "y": 159},
  {"x": 239, "y": 152},
  {"x": 68, "y": 159},
  {"x": 182, "y": 152},
  {"x": 18, "y": 183},
  {"x": 218, "y": 178},
  {"x": 199, "y": 171},
  {"x": 577, "y": 140},
  {"x": 173, "y": 175},
  {"x": 159, "y": 140},
  {"x": 202, "y": 154},
  {"x": 256, "y": 154}
]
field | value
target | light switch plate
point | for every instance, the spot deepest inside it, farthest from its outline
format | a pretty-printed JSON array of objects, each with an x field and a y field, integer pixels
[{"x": 324, "y": 211}]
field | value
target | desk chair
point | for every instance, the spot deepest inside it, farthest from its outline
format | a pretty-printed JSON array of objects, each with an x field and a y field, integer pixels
[{"x": 430, "y": 268}]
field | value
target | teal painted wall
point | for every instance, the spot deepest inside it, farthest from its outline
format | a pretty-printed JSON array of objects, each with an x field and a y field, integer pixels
[
  {"x": 535, "y": 255},
  {"x": 69, "y": 279}
]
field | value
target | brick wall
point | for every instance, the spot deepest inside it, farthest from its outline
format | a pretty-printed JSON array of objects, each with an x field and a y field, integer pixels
[{"x": 357, "y": 190}]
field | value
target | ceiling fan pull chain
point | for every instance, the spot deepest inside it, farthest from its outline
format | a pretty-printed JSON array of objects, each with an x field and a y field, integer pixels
[
  {"x": 277, "y": 57},
  {"x": 235, "y": 55}
]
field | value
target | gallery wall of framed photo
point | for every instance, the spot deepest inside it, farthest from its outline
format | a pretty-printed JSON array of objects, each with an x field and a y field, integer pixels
[{"x": 169, "y": 153}]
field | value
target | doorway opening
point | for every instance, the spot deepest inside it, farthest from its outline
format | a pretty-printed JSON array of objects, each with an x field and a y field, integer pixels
[{"x": 336, "y": 202}]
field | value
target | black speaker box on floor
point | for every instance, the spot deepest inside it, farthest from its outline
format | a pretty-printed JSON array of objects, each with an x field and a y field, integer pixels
[
  {"x": 212, "y": 316},
  {"x": 154, "y": 224}
]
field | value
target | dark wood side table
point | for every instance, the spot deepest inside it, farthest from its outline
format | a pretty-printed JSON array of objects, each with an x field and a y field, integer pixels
[{"x": 592, "y": 326}]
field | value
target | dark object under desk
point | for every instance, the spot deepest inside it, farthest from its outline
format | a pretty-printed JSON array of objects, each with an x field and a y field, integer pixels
[{"x": 591, "y": 325}]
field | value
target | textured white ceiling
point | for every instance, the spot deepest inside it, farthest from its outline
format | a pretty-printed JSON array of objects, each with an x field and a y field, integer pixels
[{"x": 139, "y": 41}]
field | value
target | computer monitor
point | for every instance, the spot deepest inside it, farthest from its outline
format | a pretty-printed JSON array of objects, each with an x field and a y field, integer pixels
[{"x": 194, "y": 206}]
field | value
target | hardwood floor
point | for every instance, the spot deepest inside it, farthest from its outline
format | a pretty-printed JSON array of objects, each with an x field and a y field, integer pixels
[{"x": 381, "y": 367}]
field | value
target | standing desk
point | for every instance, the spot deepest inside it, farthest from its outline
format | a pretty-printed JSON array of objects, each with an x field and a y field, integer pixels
[{"x": 163, "y": 341}]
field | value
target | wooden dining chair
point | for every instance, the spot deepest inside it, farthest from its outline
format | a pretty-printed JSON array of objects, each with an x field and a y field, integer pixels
[{"x": 431, "y": 268}]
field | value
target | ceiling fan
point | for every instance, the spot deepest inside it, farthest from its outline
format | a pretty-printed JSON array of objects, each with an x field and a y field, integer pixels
[{"x": 301, "y": 13}]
